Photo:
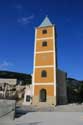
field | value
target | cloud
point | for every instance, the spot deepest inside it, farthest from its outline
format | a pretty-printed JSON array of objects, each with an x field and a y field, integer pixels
[
  {"x": 26, "y": 20},
  {"x": 5, "y": 65}
]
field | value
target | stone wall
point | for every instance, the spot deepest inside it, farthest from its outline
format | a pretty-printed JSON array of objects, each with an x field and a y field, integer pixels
[{"x": 7, "y": 109}]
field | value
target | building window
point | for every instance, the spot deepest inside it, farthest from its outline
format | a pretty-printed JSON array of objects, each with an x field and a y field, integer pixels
[
  {"x": 43, "y": 73},
  {"x": 44, "y": 43},
  {"x": 0, "y": 88},
  {"x": 44, "y": 31},
  {"x": 28, "y": 98}
]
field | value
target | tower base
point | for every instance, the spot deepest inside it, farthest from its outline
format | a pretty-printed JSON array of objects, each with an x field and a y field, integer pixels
[{"x": 51, "y": 100}]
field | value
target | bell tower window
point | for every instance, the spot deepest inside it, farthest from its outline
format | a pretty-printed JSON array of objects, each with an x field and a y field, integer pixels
[
  {"x": 44, "y": 43},
  {"x": 44, "y": 73},
  {"x": 44, "y": 31}
]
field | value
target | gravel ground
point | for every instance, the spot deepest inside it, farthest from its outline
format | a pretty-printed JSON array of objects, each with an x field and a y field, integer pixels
[
  {"x": 71, "y": 114},
  {"x": 47, "y": 118},
  {"x": 69, "y": 108},
  {"x": 46, "y": 108},
  {"x": 51, "y": 118}
]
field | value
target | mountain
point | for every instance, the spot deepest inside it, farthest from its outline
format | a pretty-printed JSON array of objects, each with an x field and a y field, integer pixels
[{"x": 16, "y": 75}]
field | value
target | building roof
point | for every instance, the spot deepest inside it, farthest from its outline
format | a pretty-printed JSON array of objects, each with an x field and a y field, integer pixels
[{"x": 46, "y": 22}]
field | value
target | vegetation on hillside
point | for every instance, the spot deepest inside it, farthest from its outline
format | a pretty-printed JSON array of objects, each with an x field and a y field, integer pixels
[{"x": 74, "y": 90}]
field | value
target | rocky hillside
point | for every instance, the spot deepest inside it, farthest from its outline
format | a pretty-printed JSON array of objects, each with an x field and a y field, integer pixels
[{"x": 74, "y": 90}]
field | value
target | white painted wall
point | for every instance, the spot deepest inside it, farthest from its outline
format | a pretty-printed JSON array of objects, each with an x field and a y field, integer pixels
[
  {"x": 9, "y": 81},
  {"x": 28, "y": 91}
]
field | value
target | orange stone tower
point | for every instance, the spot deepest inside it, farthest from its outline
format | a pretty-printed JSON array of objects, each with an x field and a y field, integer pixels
[{"x": 44, "y": 70}]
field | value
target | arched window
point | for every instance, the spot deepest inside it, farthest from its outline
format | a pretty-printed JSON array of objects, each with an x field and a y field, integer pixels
[
  {"x": 44, "y": 31},
  {"x": 44, "y": 73},
  {"x": 44, "y": 43}
]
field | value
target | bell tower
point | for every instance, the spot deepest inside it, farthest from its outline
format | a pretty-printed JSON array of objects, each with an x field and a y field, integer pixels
[{"x": 44, "y": 69}]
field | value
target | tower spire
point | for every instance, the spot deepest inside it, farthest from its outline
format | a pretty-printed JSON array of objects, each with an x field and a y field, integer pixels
[{"x": 46, "y": 22}]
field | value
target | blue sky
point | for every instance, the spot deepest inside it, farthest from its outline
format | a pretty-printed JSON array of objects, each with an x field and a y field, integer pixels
[{"x": 18, "y": 19}]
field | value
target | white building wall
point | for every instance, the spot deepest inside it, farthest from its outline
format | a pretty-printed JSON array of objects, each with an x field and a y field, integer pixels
[
  {"x": 9, "y": 81},
  {"x": 28, "y": 92}
]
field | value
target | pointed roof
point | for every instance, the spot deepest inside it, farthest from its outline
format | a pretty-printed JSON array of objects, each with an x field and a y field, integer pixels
[{"x": 46, "y": 22}]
